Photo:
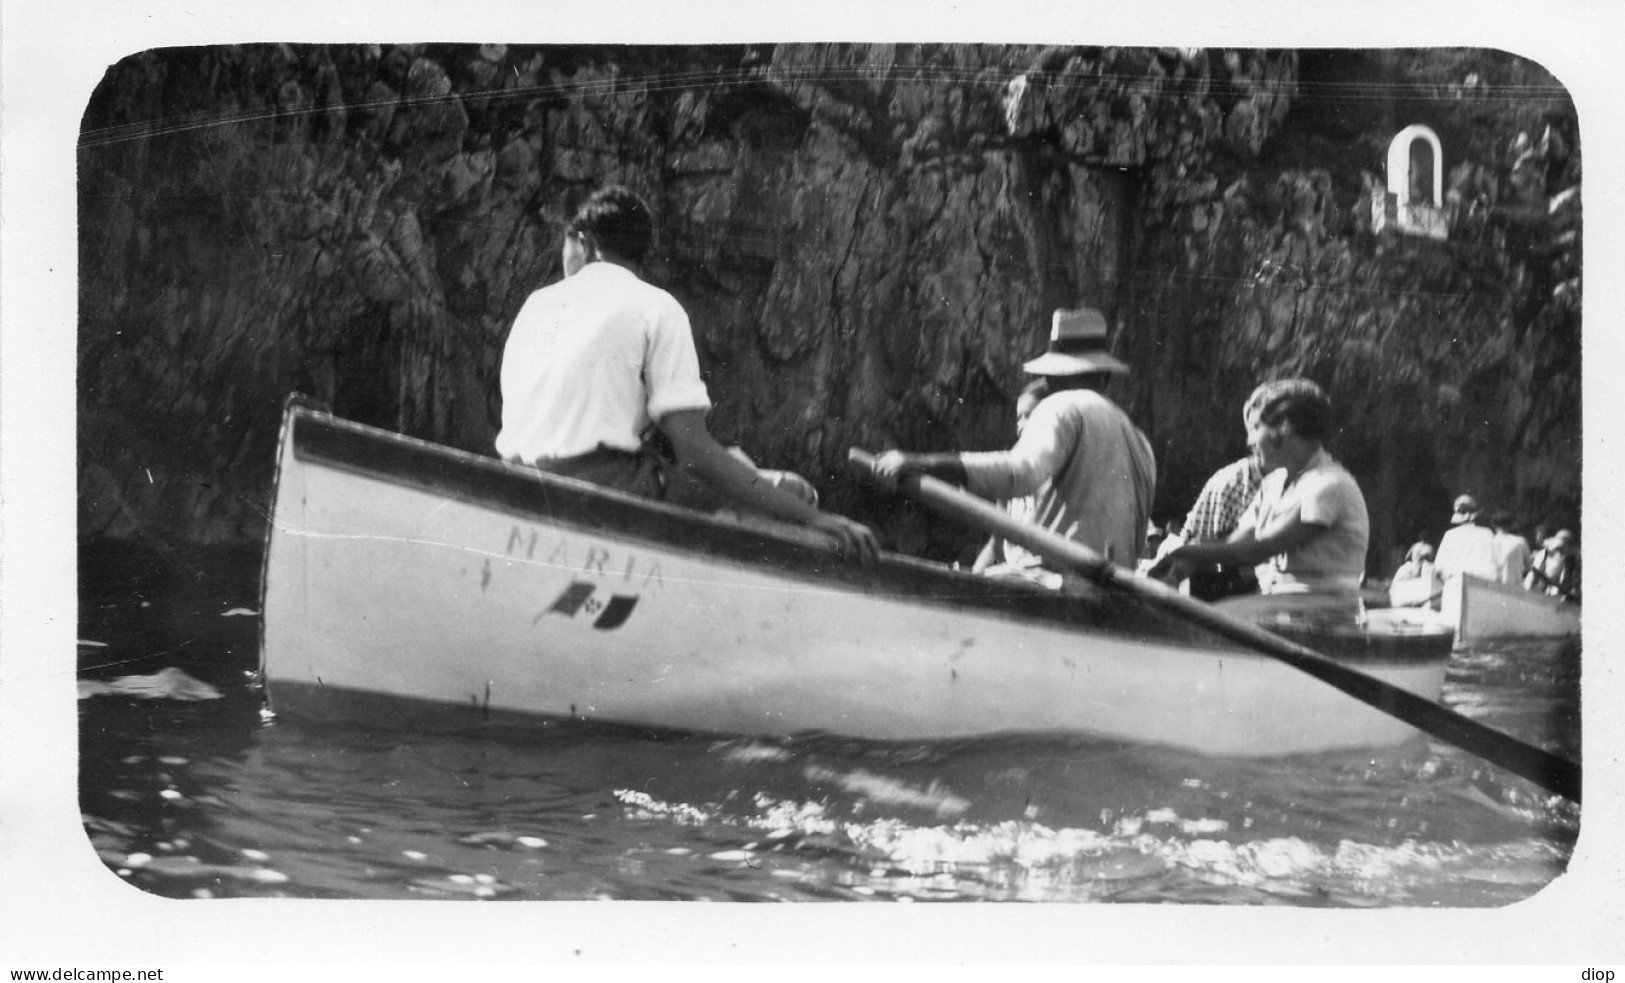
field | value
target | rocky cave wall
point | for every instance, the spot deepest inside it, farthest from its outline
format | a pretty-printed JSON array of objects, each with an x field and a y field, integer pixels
[{"x": 870, "y": 239}]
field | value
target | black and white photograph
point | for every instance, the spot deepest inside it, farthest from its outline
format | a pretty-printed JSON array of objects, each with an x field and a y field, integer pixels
[{"x": 1002, "y": 489}]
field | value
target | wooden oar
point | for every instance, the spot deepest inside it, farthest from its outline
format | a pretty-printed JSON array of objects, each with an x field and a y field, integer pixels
[{"x": 1549, "y": 771}]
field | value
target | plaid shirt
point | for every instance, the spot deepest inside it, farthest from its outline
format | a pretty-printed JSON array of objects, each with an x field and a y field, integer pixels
[{"x": 1222, "y": 501}]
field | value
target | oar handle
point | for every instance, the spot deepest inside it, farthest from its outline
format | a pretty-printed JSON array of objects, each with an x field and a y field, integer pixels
[{"x": 1554, "y": 773}]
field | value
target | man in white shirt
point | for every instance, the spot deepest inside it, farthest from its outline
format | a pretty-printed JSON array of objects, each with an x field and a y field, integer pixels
[
  {"x": 1467, "y": 547},
  {"x": 594, "y": 360}
]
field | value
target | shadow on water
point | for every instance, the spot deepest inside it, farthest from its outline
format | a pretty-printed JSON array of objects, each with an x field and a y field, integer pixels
[
  {"x": 141, "y": 610},
  {"x": 199, "y": 798}
]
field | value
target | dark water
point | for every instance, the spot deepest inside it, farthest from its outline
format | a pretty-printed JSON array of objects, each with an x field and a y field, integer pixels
[{"x": 204, "y": 798}]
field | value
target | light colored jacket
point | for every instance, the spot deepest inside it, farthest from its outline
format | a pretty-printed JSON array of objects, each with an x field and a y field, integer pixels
[{"x": 1090, "y": 471}]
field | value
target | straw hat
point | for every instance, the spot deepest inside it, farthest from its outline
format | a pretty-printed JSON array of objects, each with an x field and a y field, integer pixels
[{"x": 1077, "y": 344}]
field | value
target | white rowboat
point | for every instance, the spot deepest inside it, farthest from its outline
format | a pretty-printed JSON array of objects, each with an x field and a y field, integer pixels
[
  {"x": 424, "y": 587},
  {"x": 1480, "y": 610}
]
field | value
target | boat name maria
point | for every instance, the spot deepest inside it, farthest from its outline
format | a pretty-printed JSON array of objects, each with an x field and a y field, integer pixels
[{"x": 595, "y": 558}]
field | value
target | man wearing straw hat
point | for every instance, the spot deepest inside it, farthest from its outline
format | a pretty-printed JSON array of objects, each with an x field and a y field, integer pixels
[{"x": 1089, "y": 471}]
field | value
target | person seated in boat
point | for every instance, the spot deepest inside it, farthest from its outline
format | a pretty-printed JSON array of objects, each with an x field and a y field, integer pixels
[
  {"x": 601, "y": 366},
  {"x": 1511, "y": 549},
  {"x": 1417, "y": 582},
  {"x": 1554, "y": 569},
  {"x": 1307, "y": 529},
  {"x": 1468, "y": 546},
  {"x": 1214, "y": 515},
  {"x": 1538, "y": 538},
  {"x": 1088, "y": 469}
]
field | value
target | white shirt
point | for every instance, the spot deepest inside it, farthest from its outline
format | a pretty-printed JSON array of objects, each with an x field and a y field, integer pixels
[
  {"x": 1511, "y": 558},
  {"x": 591, "y": 361},
  {"x": 1468, "y": 548},
  {"x": 1322, "y": 494}
]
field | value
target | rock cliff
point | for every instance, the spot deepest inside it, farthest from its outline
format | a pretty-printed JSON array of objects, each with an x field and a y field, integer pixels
[{"x": 869, "y": 239}]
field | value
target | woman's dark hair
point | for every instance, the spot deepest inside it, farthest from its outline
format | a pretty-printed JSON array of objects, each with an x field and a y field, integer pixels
[
  {"x": 1297, "y": 401},
  {"x": 618, "y": 221}
]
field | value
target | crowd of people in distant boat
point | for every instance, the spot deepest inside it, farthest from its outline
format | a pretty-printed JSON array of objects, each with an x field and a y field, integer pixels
[{"x": 1491, "y": 549}]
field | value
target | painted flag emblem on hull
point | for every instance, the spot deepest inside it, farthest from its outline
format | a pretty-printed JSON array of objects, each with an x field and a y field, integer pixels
[{"x": 578, "y": 598}]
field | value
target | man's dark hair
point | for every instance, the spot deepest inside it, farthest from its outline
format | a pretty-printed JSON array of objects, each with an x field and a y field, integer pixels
[
  {"x": 618, "y": 220},
  {"x": 1297, "y": 401}
]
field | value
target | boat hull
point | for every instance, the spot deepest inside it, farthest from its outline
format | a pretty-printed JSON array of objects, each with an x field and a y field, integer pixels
[
  {"x": 423, "y": 586},
  {"x": 1481, "y": 610}
]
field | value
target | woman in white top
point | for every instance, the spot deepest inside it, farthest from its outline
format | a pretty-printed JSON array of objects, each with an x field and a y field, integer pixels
[
  {"x": 1308, "y": 528},
  {"x": 1417, "y": 582}
]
